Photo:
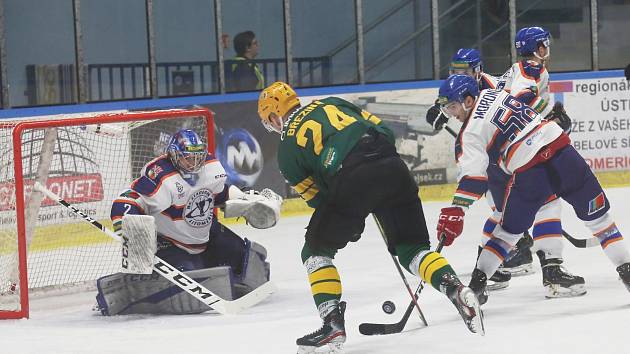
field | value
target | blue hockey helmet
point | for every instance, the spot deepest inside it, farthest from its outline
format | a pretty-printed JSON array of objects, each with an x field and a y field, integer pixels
[
  {"x": 187, "y": 151},
  {"x": 453, "y": 91},
  {"x": 456, "y": 87},
  {"x": 528, "y": 38},
  {"x": 466, "y": 61}
]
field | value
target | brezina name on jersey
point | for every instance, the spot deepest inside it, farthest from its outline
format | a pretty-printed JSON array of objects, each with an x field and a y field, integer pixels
[{"x": 198, "y": 209}]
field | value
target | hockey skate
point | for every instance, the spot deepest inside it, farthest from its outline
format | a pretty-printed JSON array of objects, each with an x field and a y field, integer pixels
[
  {"x": 465, "y": 301},
  {"x": 624, "y": 274},
  {"x": 332, "y": 333},
  {"x": 557, "y": 281},
  {"x": 519, "y": 260},
  {"x": 499, "y": 280},
  {"x": 478, "y": 284}
]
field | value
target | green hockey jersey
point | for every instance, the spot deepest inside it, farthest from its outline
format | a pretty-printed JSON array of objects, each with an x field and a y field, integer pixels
[{"x": 315, "y": 140}]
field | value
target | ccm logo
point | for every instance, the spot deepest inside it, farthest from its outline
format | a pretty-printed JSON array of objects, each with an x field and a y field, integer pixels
[{"x": 451, "y": 218}]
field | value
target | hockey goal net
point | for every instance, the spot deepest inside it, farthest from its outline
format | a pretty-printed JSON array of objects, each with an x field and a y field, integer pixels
[{"x": 86, "y": 160}]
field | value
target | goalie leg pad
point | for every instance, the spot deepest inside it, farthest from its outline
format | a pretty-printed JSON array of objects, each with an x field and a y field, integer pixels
[
  {"x": 124, "y": 294},
  {"x": 179, "y": 258},
  {"x": 139, "y": 244},
  {"x": 225, "y": 248},
  {"x": 256, "y": 269},
  {"x": 246, "y": 258}
]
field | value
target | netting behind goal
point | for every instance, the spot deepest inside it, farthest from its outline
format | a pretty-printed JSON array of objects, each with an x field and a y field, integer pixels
[{"x": 87, "y": 161}]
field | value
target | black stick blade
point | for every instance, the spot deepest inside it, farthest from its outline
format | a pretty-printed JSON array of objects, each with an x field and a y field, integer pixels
[{"x": 372, "y": 329}]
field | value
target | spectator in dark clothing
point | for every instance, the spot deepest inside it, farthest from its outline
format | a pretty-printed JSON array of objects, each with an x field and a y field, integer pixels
[
  {"x": 242, "y": 73},
  {"x": 627, "y": 72}
]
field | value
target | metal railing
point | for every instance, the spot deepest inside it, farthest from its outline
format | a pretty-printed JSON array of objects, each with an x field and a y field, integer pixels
[
  {"x": 100, "y": 82},
  {"x": 131, "y": 80}
]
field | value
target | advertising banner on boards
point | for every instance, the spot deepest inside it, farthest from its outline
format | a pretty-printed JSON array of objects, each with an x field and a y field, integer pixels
[
  {"x": 600, "y": 109},
  {"x": 248, "y": 151}
]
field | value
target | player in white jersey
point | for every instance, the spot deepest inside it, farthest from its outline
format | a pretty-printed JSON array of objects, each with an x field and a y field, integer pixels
[
  {"x": 528, "y": 78},
  {"x": 528, "y": 81},
  {"x": 467, "y": 61},
  {"x": 537, "y": 155},
  {"x": 181, "y": 189}
]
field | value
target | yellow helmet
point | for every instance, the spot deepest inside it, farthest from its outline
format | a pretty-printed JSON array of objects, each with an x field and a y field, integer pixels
[{"x": 278, "y": 98}]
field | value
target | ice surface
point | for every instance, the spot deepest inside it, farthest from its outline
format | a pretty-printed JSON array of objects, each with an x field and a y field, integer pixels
[{"x": 518, "y": 319}]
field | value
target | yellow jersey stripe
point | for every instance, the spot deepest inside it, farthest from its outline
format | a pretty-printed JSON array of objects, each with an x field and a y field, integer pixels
[
  {"x": 304, "y": 185},
  {"x": 310, "y": 193}
]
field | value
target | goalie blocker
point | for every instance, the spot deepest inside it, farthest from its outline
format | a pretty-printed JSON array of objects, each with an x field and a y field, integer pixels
[{"x": 230, "y": 267}]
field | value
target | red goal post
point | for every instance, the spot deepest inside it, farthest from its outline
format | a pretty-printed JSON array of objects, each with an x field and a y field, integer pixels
[{"x": 88, "y": 160}]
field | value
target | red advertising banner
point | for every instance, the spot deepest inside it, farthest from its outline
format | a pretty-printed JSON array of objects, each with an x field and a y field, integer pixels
[{"x": 74, "y": 189}]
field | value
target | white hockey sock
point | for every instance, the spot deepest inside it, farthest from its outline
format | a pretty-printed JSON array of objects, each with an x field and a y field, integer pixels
[
  {"x": 547, "y": 230},
  {"x": 495, "y": 250},
  {"x": 610, "y": 239},
  {"x": 488, "y": 262},
  {"x": 552, "y": 246}
]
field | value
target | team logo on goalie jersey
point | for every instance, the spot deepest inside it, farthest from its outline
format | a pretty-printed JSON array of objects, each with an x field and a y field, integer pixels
[{"x": 198, "y": 209}]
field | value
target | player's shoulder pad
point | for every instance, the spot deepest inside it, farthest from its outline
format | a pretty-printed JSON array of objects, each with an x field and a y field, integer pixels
[
  {"x": 210, "y": 158},
  {"x": 487, "y": 82},
  {"x": 159, "y": 168},
  {"x": 343, "y": 104},
  {"x": 531, "y": 69},
  {"x": 153, "y": 174},
  {"x": 337, "y": 101},
  {"x": 214, "y": 167}
]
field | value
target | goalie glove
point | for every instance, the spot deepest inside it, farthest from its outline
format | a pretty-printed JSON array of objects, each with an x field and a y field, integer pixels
[
  {"x": 261, "y": 209},
  {"x": 560, "y": 116},
  {"x": 435, "y": 117}
]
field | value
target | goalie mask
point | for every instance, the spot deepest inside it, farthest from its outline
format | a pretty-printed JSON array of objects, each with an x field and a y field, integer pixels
[{"x": 187, "y": 151}]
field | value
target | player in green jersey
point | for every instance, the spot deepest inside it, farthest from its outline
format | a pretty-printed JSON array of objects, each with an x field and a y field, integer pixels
[{"x": 343, "y": 162}]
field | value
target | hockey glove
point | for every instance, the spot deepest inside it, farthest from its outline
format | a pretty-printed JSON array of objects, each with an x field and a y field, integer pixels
[
  {"x": 450, "y": 224},
  {"x": 560, "y": 116},
  {"x": 435, "y": 117},
  {"x": 261, "y": 209}
]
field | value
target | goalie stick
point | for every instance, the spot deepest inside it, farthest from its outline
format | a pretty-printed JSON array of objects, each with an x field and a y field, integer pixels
[
  {"x": 576, "y": 242},
  {"x": 173, "y": 275},
  {"x": 371, "y": 329}
]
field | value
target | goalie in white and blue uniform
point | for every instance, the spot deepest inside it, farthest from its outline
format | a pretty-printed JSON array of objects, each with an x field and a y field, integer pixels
[{"x": 181, "y": 189}]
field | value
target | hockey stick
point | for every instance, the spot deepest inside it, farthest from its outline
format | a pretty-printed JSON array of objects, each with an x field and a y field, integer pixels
[
  {"x": 577, "y": 242},
  {"x": 450, "y": 131},
  {"x": 401, "y": 273},
  {"x": 370, "y": 329},
  {"x": 581, "y": 242},
  {"x": 173, "y": 275}
]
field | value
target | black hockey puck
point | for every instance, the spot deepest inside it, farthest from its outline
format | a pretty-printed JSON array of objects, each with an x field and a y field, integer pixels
[{"x": 388, "y": 307}]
